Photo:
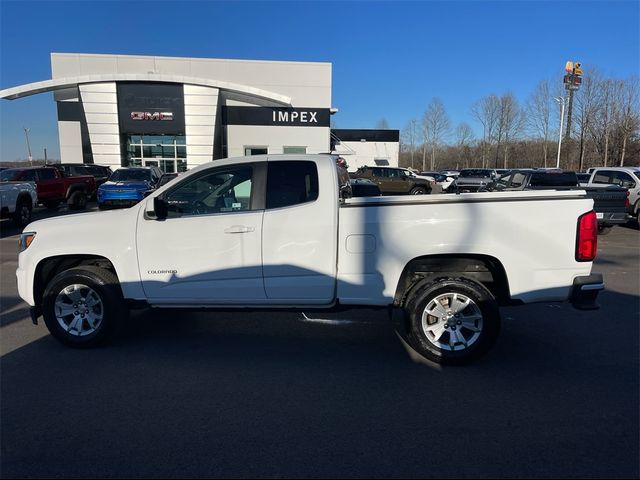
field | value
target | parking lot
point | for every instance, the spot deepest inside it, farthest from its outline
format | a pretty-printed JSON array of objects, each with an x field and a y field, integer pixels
[{"x": 279, "y": 395}]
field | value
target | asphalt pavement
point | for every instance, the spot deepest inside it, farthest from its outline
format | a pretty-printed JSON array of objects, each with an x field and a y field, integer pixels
[{"x": 184, "y": 394}]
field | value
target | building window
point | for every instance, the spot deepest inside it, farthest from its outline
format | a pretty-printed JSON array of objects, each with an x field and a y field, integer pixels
[
  {"x": 299, "y": 150},
  {"x": 167, "y": 152},
  {"x": 248, "y": 151}
]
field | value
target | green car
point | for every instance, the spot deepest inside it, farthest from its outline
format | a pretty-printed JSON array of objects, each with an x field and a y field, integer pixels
[{"x": 395, "y": 181}]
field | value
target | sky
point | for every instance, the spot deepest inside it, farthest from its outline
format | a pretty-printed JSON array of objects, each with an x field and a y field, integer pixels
[{"x": 389, "y": 58}]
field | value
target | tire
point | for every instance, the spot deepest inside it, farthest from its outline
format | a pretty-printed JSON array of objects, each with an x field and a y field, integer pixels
[
  {"x": 22, "y": 215},
  {"x": 52, "y": 205},
  {"x": 99, "y": 299},
  {"x": 604, "y": 230},
  {"x": 77, "y": 200},
  {"x": 436, "y": 337},
  {"x": 418, "y": 191}
]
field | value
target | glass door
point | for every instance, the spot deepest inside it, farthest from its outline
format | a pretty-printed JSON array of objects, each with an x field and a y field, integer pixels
[{"x": 167, "y": 152}]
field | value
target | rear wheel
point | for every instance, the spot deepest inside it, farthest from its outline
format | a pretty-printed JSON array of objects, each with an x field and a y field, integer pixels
[
  {"x": 77, "y": 200},
  {"x": 22, "y": 215},
  {"x": 452, "y": 320},
  {"x": 82, "y": 306}
]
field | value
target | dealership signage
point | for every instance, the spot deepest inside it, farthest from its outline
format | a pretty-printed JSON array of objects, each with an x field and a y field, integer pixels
[
  {"x": 277, "y": 116},
  {"x": 151, "y": 108},
  {"x": 151, "y": 115}
]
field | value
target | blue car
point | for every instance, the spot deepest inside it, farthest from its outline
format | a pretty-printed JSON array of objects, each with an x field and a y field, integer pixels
[{"x": 127, "y": 186}]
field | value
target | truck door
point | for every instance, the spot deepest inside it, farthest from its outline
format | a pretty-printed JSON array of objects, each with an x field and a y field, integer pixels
[
  {"x": 49, "y": 186},
  {"x": 299, "y": 232},
  {"x": 208, "y": 250}
]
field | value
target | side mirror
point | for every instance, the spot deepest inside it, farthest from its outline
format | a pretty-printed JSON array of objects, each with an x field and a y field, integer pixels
[{"x": 160, "y": 208}]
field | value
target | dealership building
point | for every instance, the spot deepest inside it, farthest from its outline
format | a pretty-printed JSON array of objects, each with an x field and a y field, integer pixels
[{"x": 177, "y": 113}]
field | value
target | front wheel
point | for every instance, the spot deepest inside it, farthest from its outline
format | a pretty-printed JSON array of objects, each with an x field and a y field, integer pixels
[
  {"x": 77, "y": 200},
  {"x": 418, "y": 191},
  {"x": 22, "y": 215},
  {"x": 82, "y": 306},
  {"x": 452, "y": 320}
]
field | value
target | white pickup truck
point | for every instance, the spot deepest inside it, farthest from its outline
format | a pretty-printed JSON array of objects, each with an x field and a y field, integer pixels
[
  {"x": 17, "y": 200},
  {"x": 278, "y": 232}
]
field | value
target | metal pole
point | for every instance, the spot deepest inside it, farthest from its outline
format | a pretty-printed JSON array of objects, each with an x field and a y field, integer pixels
[
  {"x": 26, "y": 134},
  {"x": 569, "y": 111},
  {"x": 561, "y": 101},
  {"x": 45, "y": 155}
]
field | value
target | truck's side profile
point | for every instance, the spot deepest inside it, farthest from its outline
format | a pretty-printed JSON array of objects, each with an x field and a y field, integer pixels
[{"x": 274, "y": 231}]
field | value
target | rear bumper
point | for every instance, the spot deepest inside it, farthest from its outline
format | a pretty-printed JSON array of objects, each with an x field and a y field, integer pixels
[
  {"x": 585, "y": 291},
  {"x": 605, "y": 219}
]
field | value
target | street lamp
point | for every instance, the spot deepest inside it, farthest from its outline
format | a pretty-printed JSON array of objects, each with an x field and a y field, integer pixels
[
  {"x": 561, "y": 102},
  {"x": 26, "y": 134}
]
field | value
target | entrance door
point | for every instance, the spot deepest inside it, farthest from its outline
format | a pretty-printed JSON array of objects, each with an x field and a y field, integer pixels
[
  {"x": 167, "y": 152},
  {"x": 208, "y": 250}
]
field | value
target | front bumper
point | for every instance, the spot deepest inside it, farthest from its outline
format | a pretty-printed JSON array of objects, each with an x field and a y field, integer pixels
[{"x": 585, "y": 291}]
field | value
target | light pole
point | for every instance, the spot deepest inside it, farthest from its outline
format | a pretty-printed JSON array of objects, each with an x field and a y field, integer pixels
[
  {"x": 26, "y": 134},
  {"x": 561, "y": 102}
]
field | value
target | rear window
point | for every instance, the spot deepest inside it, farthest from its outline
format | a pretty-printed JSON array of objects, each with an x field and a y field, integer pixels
[
  {"x": 565, "y": 179},
  {"x": 291, "y": 183},
  {"x": 476, "y": 173},
  {"x": 9, "y": 175}
]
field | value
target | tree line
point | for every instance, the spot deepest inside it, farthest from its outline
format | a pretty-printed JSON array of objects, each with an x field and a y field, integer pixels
[{"x": 604, "y": 130}]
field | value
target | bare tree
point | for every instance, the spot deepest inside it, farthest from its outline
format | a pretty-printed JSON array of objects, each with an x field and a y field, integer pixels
[
  {"x": 509, "y": 124},
  {"x": 586, "y": 109},
  {"x": 538, "y": 115},
  {"x": 486, "y": 111},
  {"x": 410, "y": 136},
  {"x": 464, "y": 138},
  {"x": 627, "y": 112},
  {"x": 435, "y": 124},
  {"x": 382, "y": 124}
]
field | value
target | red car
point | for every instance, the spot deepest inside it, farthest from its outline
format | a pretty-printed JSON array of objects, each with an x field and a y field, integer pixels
[{"x": 53, "y": 187}]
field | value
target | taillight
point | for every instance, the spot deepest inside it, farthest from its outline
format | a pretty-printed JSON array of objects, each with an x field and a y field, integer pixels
[
  {"x": 587, "y": 242},
  {"x": 626, "y": 202}
]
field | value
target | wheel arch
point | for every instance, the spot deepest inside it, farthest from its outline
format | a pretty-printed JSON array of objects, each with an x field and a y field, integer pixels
[
  {"x": 49, "y": 267},
  {"x": 484, "y": 269}
]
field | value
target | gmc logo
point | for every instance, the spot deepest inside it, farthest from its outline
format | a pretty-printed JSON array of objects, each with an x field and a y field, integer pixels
[{"x": 151, "y": 116}]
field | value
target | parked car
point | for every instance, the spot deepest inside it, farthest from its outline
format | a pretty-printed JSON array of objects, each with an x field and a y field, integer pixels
[
  {"x": 610, "y": 204},
  {"x": 54, "y": 188},
  {"x": 17, "y": 200},
  {"x": 441, "y": 179},
  {"x": 395, "y": 181},
  {"x": 472, "y": 180},
  {"x": 127, "y": 186},
  {"x": 166, "y": 178},
  {"x": 583, "y": 178},
  {"x": 100, "y": 173},
  {"x": 627, "y": 177},
  {"x": 273, "y": 231},
  {"x": 363, "y": 187}
]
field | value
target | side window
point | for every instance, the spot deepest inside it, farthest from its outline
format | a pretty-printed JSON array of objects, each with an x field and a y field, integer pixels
[
  {"x": 291, "y": 183},
  {"x": 518, "y": 180},
  {"x": 625, "y": 180},
  {"x": 503, "y": 182},
  {"x": 377, "y": 172},
  {"x": 393, "y": 173},
  {"x": 222, "y": 190},
  {"x": 603, "y": 176},
  {"x": 28, "y": 176},
  {"x": 46, "y": 174}
]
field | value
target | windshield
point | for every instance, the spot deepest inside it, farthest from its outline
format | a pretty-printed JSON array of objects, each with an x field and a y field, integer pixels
[
  {"x": 476, "y": 173},
  {"x": 123, "y": 175},
  {"x": 8, "y": 175}
]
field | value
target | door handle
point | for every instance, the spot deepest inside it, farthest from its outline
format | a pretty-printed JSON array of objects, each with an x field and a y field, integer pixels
[{"x": 239, "y": 229}]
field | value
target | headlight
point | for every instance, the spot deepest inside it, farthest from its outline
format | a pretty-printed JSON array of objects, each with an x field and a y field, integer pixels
[{"x": 26, "y": 239}]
